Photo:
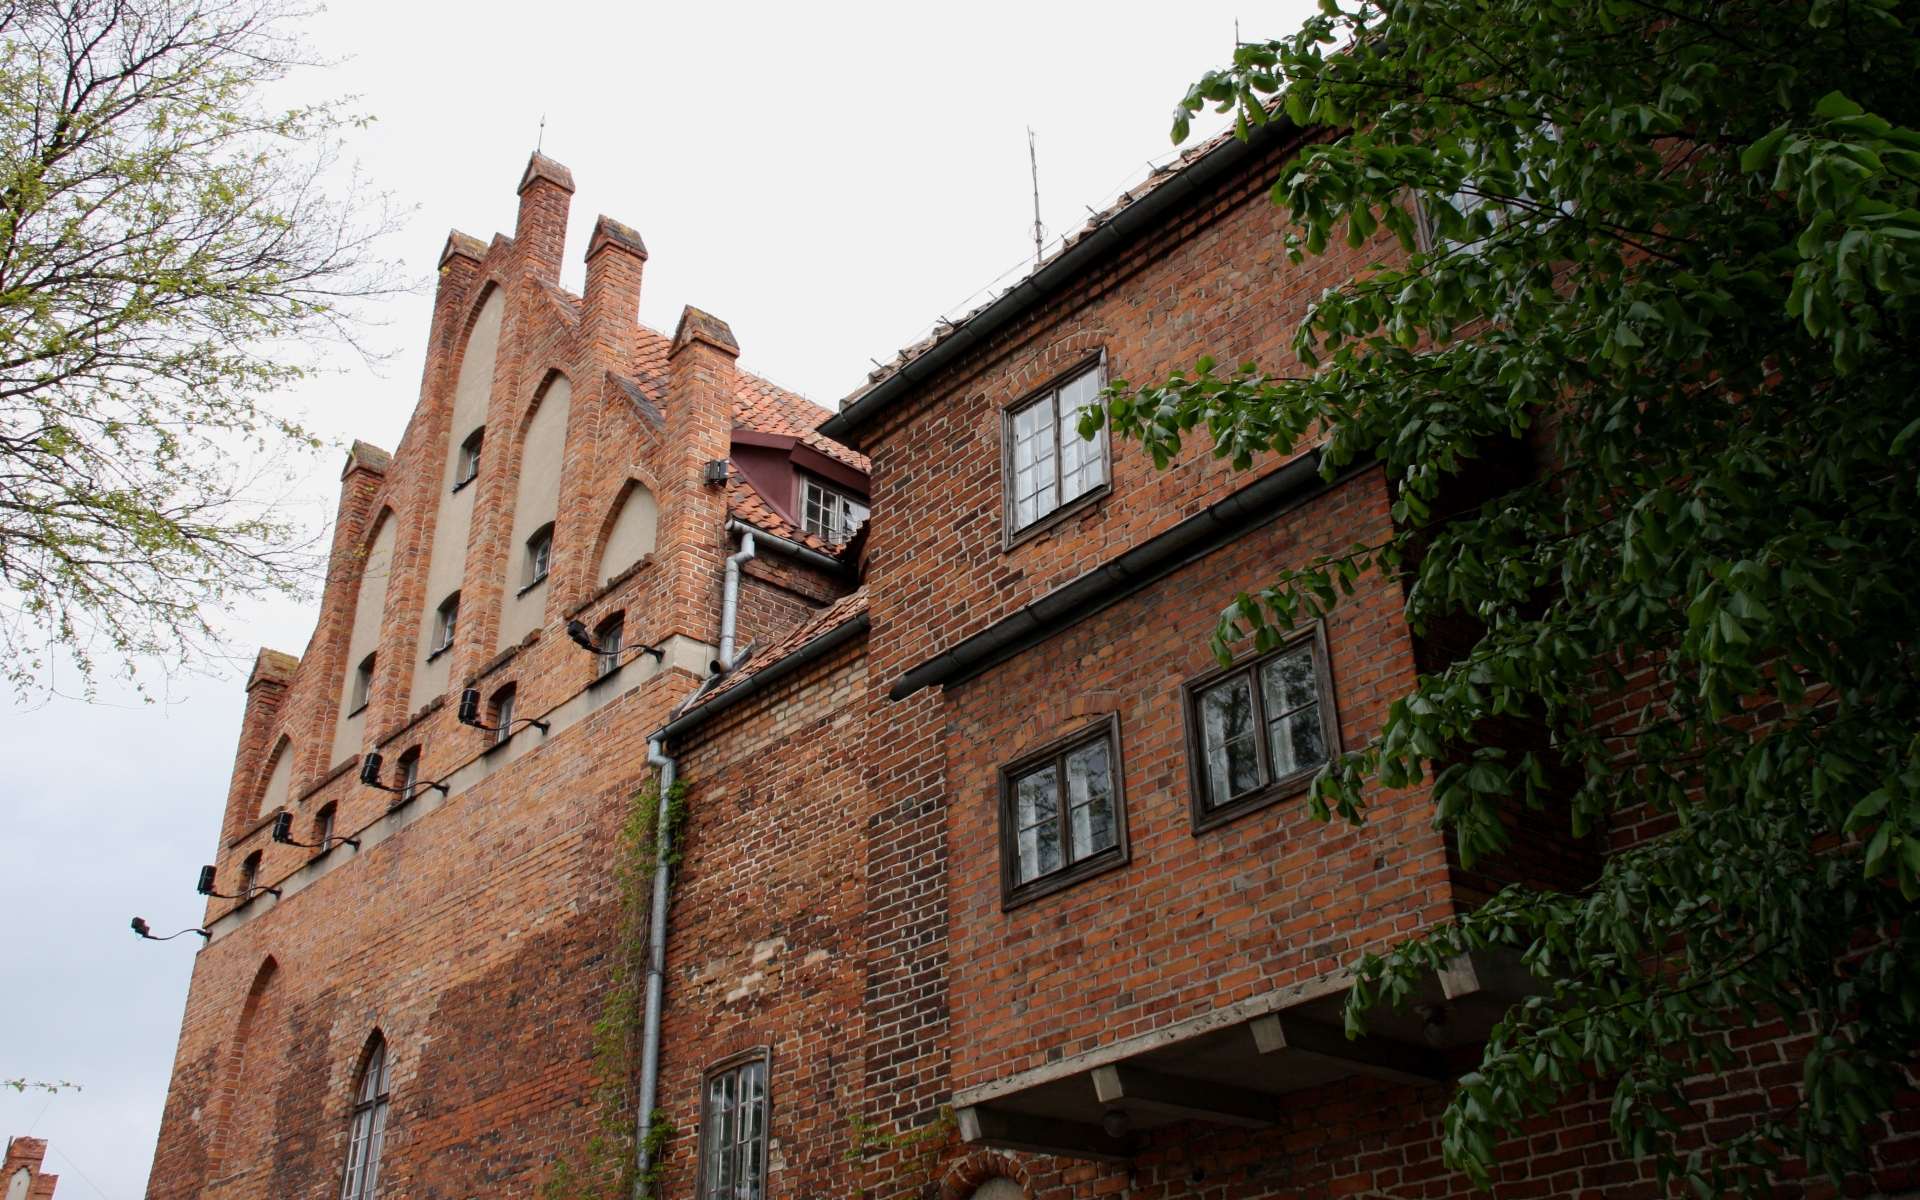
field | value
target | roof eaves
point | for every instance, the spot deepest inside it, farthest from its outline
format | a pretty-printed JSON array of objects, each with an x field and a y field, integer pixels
[{"x": 1127, "y": 223}]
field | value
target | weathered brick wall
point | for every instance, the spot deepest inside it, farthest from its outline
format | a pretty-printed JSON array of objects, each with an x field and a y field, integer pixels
[{"x": 766, "y": 946}]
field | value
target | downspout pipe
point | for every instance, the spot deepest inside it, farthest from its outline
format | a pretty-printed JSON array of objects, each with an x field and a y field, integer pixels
[
  {"x": 656, "y": 968},
  {"x": 730, "y": 594},
  {"x": 789, "y": 549}
]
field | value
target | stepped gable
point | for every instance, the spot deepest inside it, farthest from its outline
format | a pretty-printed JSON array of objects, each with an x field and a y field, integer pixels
[{"x": 828, "y": 619}]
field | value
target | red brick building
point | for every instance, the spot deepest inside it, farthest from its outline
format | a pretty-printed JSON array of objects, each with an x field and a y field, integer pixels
[
  {"x": 990, "y": 882},
  {"x": 21, "y": 1174}
]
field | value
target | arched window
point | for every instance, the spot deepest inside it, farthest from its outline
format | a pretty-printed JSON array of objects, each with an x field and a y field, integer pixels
[
  {"x": 362, "y": 685},
  {"x": 469, "y": 466},
  {"x": 539, "y": 558},
  {"x": 368, "y": 1127},
  {"x": 250, "y": 875},
  {"x": 502, "y": 715}
]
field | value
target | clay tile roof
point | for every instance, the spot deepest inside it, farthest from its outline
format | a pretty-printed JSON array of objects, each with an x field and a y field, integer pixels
[
  {"x": 828, "y": 619},
  {"x": 758, "y": 404},
  {"x": 746, "y": 503},
  {"x": 769, "y": 408}
]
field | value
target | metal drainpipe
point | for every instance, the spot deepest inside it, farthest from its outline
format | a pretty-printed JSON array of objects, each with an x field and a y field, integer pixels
[
  {"x": 730, "y": 595},
  {"x": 656, "y": 969}
]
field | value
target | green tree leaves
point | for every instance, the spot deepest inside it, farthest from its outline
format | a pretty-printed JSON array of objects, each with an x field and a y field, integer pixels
[
  {"x": 167, "y": 245},
  {"x": 1666, "y": 256}
]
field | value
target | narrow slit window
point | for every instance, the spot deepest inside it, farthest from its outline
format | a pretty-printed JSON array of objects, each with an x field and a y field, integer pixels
[
  {"x": 367, "y": 1126},
  {"x": 250, "y": 874},
  {"x": 362, "y": 685},
  {"x": 323, "y": 822},
  {"x": 609, "y": 637},
  {"x": 1049, "y": 464},
  {"x": 539, "y": 557},
  {"x": 734, "y": 1132},
  {"x": 502, "y": 715},
  {"x": 469, "y": 466},
  {"x": 445, "y": 622},
  {"x": 409, "y": 775},
  {"x": 1260, "y": 729}
]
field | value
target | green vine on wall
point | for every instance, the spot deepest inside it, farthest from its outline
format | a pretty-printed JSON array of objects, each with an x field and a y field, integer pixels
[
  {"x": 606, "y": 1170},
  {"x": 920, "y": 1148}
]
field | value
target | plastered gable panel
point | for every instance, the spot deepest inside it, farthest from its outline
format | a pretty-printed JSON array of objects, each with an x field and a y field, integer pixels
[
  {"x": 376, "y": 569},
  {"x": 632, "y": 535},
  {"x": 279, "y": 778},
  {"x": 535, "y": 506},
  {"x": 447, "y": 567}
]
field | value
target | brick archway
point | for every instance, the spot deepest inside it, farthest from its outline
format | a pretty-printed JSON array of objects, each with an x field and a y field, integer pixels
[{"x": 966, "y": 1175}]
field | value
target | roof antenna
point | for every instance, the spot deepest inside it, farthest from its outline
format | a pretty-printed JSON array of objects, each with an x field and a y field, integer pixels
[
  {"x": 1039, "y": 230},
  {"x": 542, "y": 139}
]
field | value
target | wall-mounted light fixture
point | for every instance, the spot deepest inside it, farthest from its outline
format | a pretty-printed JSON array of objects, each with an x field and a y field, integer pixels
[
  {"x": 146, "y": 931},
  {"x": 283, "y": 833},
  {"x": 583, "y": 637},
  {"x": 470, "y": 715},
  {"x": 206, "y": 887},
  {"x": 370, "y": 776}
]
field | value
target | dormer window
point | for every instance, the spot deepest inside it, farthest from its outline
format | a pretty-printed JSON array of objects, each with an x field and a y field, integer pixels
[
  {"x": 445, "y": 621},
  {"x": 539, "y": 557},
  {"x": 828, "y": 514},
  {"x": 469, "y": 466},
  {"x": 362, "y": 686}
]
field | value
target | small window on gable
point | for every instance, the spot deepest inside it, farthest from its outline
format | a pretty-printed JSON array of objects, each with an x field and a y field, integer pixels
[
  {"x": 539, "y": 557},
  {"x": 323, "y": 823},
  {"x": 362, "y": 685},
  {"x": 733, "y": 1132},
  {"x": 250, "y": 874},
  {"x": 469, "y": 468},
  {"x": 1049, "y": 465},
  {"x": 367, "y": 1125},
  {"x": 608, "y": 636},
  {"x": 445, "y": 622},
  {"x": 502, "y": 715},
  {"x": 1260, "y": 730},
  {"x": 1062, "y": 817},
  {"x": 828, "y": 514}
]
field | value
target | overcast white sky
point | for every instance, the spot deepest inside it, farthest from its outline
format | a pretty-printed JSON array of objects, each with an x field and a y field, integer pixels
[{"x": 828, "y": 178}]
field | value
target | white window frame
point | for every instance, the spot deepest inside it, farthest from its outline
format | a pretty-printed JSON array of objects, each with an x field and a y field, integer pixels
[
  {"x": 367, "y": 1126},
  {"x": 732, "y": 1166},
  {"x": 446, "y": 622},
  {"x": 471, "y": 450},
  {"x": 539, "y": 561},
  {"x": 841, "y": 513},
  {"x": 1038, "y": 441},
  {"x": 362, "y": 684}
]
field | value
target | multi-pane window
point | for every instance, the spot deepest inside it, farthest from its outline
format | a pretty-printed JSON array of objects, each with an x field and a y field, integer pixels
[
  {"x": 539, "y": 557},
  {"x": 734, "y": 1132},
  {"x": 1049, "y": 464},
  {"x": 1263, "y": 725},
  {"x": 368, "y": 1126},
  {"x": 445, "y": 621},
  {"x": 608, "y": 637},
  {"x": 828, "y": 514},
  {"x": 469, "y": 467},
  {"x": 1061, "y": 811},
  {"x": 362, "y": 685}
]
